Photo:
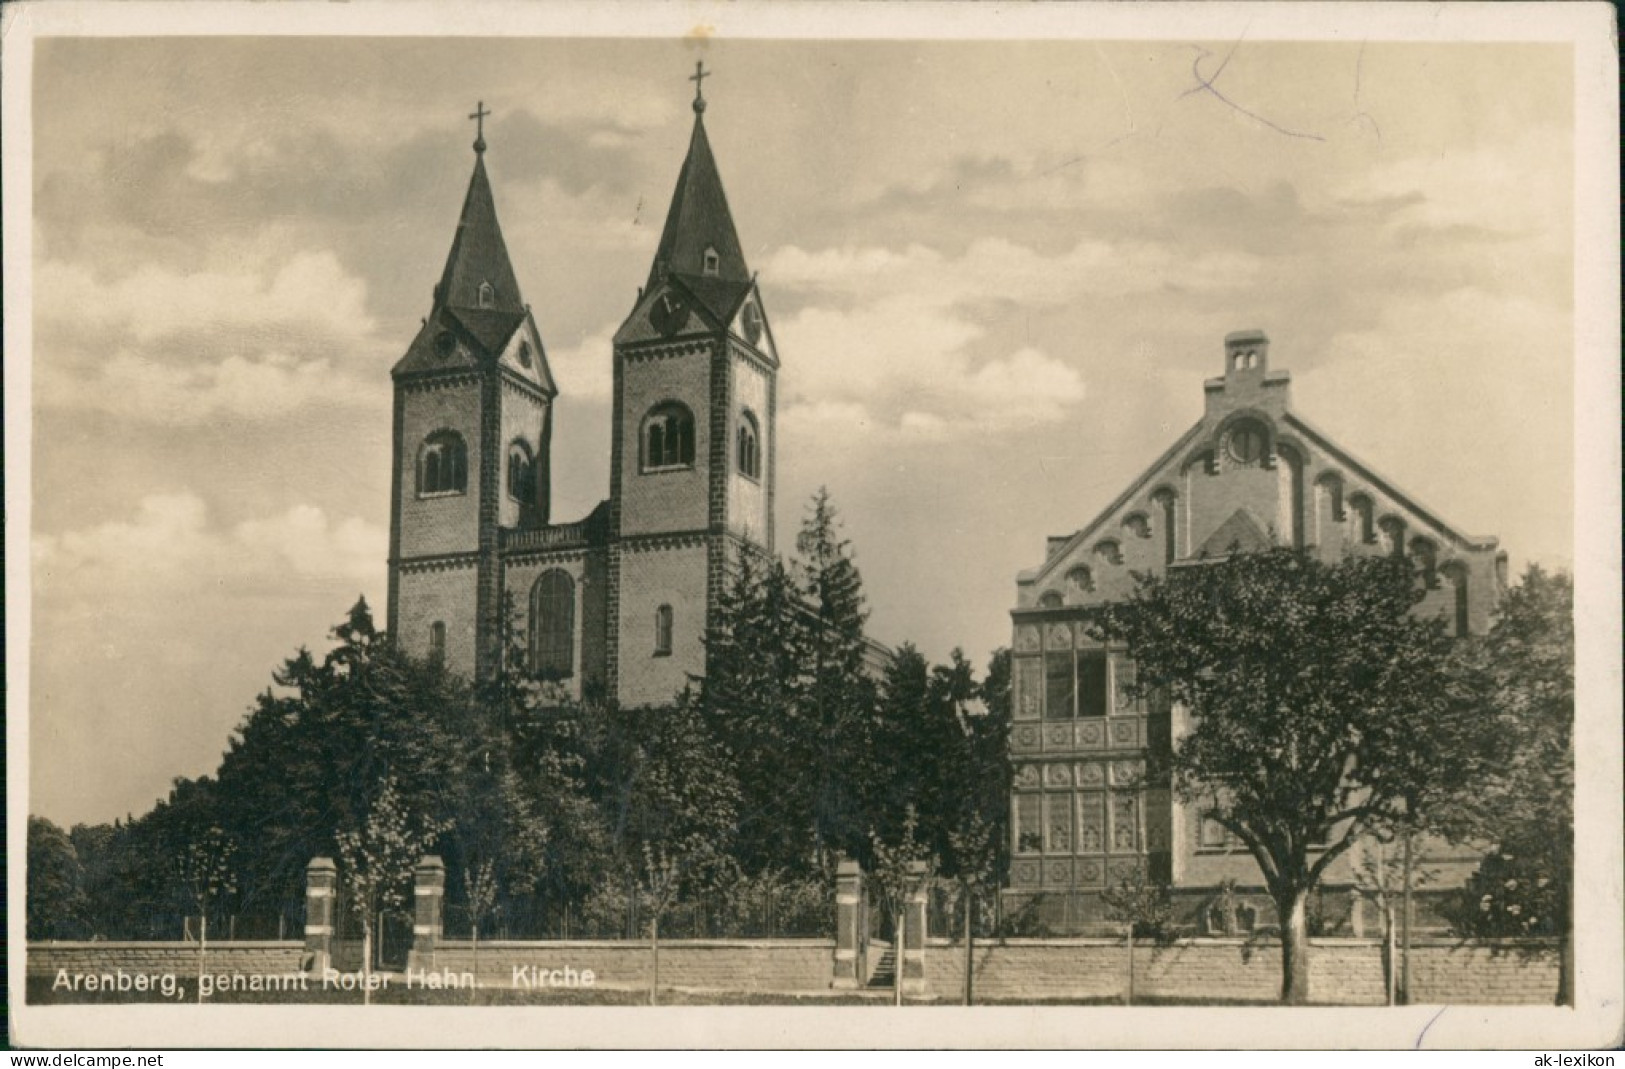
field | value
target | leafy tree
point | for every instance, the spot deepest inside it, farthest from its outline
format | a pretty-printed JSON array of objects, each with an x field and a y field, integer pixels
[
  {"x": 1320, "y": 709},
  {"x": 1388, "y": 876},
  {"x": 666, "y": 793},
  {"x": 941, "y": 750},
  {"x": 208, "y": 874},
  {"x": 1143, "y": 907},
  {"x": 376, "y": 859},
  {"x": 896, "y": 875},
  {"x": 55, "y": 883},
  {"x": 1523, "y": 802}
]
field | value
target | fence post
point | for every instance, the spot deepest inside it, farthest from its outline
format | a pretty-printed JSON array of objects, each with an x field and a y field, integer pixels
[
  {"x": 911, "y": 955},
  {"x": 429, "y": 897},
  {"x": 848, "y": 918},
  {"x": 320, "y": 876}
]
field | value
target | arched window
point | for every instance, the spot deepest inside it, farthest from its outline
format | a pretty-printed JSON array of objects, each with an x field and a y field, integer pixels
[
  {"x": 668, "y": 437},
  {"x": 1165, "y": 501},
  {"x": 1108, "y": 550},
  {"x": 443, "y": 464},
  {"x": 1456, "y": 572},
  {"x": 488, "y": 295},
  {"x": 749, "y": 451},
  {"x": 663, "y": 631},
  {"x": 553, "y": 625},
  {"x": 521, "y": 473},
  {"x": 1330, "y": 486},
  {"x": 1426, "y": 556},
  {"x": 437, "y": 641},
  {"x": 1366, "y": 519},
  {"x": 1393, "y": 535},
  {"x": 1081, "y": 579},
  {"x": 1293, "y": 475}
]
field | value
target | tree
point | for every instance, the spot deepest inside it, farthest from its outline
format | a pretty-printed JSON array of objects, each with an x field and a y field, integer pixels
[
  {"x": 1320, "y": 710},
  {"x": 1143, "y": 907},
  {"x": 1386, "y": 880},
  {"x": 752, "y": 701},
  {"x": 1523, "y": 802},
  {"x": 840, "y": 701},
  {"x": 207, "y": 872},
  {"x": 55, "y": 883},
  {"x": 897, "y": 875},
  {"x": 376, "y": 859}
]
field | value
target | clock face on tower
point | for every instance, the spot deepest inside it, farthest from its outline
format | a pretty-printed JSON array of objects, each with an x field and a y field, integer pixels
[
  {"x": 668, "y": 313},
  {"x": 752, "y": 317}
]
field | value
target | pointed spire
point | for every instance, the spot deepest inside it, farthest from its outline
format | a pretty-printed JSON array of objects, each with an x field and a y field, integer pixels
[
  {"x": 478, "y": 274},
  {"x": 699, "y": 243}
]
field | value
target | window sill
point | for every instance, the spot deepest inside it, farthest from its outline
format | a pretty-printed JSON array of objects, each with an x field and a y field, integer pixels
[
  {"x": 661, "y": 653},
  {"x": 665, "y": 469},
  {"x": 430, "y": 495}
]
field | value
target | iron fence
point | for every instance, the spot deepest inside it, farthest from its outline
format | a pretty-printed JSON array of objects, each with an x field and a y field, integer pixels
[{"x": 786, "y": 914}]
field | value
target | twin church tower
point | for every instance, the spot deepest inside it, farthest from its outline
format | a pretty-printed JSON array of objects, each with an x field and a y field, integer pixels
[{"x": 619, "y": 598}]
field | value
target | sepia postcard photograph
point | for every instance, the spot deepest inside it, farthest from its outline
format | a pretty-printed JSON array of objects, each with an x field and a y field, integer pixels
[{"x": 850, "y": 525}]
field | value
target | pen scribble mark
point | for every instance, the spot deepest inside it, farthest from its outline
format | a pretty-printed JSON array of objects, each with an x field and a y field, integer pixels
[
  {"x": 1205, "y": 85},
  {"x": 1361, "y": 114},
  {"x": 1424, "y": 1032}
]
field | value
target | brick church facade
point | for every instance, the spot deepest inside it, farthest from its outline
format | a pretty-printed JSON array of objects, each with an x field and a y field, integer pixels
[
  {"x": 1249, "y": 474},
  {"x": 618, "y": 599}
]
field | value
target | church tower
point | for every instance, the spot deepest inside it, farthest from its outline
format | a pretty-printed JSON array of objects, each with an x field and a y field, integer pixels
[
  {"x": 694, "y": 442},
  {"x": 472, "y": 418}
]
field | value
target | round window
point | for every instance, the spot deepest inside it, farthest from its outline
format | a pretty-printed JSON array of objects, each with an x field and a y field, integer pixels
[
  {"x": 445, "y": 343},
  {"x": 1247, "y": 443}
]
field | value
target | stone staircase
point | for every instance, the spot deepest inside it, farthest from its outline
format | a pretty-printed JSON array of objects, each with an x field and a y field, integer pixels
[{"x": 884, "y": 972}]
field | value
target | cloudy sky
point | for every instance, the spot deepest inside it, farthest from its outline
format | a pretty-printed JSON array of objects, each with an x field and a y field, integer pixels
[{"x": 997, "y": 273}]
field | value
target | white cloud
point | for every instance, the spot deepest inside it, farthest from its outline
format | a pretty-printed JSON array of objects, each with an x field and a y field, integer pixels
[
  {"x": 169, "y": 548},
  {"x": 239, "y": 388},
  {"x": 308, "y": 293},
  {"x": 995, "y": 268},
  {"x": 171, "y": 347},
  {"x": 1468, "y": 444},
  {"x": 886, "y": 339},
  {"x": 585, "y": 370}
]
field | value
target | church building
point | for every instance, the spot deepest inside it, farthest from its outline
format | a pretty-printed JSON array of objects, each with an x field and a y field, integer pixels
[
  {"x": 1251, "y": 473},
  {"x": 617, "y": 599}
]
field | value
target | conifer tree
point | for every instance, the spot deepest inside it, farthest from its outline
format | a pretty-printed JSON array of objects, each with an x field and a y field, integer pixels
[{"x": 840, "y": 702}]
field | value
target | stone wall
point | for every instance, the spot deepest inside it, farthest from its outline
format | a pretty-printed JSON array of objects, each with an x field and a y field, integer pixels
[
  {"x": 267, "y": 958},
  {"x": 778, "y": 965},
  {"x": 1341, "y": 971}
]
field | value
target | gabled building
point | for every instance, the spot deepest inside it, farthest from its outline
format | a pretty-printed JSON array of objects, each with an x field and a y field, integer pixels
[
  {"x": 619, "y": 598},
  {"x": 1251, "y": 473}
]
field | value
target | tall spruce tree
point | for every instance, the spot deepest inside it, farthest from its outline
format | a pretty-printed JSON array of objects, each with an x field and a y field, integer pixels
[
  {"x": 752, "y": 699},
  {"x": 840, "y": 702}
]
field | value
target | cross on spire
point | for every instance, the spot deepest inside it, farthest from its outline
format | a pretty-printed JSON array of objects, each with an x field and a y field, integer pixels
[
  {"x": 480, "y": 112},
  {"x": 698, "y": 78}
]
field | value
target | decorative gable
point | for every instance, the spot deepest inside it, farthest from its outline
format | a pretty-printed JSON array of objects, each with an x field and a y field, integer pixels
[
  {"x": 1241, "y": 533},
  {"x": 525, "y": 357},
  {"x": 668, "y": 311},
  {"x": 750, "y": 324}
]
